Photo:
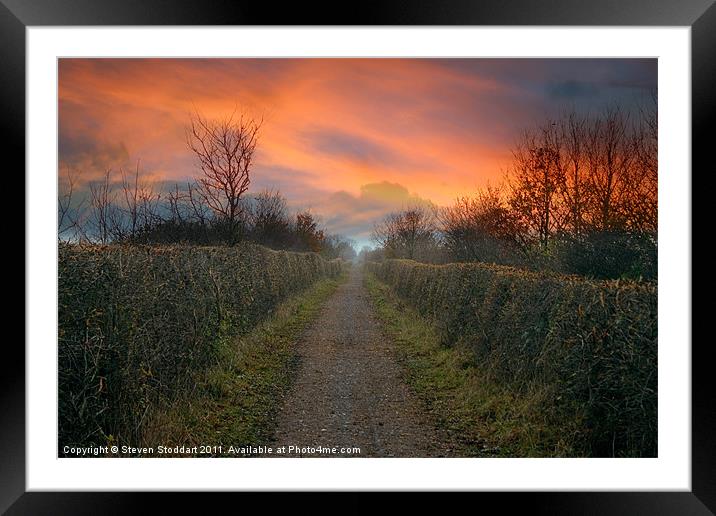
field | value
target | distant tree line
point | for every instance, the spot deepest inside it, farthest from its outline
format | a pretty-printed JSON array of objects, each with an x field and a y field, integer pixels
[
  {"x": 579, "y": 197},
  {"x": 214, "y": 209}
]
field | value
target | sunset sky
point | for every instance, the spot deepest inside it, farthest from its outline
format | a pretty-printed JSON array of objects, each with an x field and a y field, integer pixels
[{"x": 350, "y": 139}]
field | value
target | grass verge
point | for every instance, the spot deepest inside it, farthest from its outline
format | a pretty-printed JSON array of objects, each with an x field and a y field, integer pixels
[
  {"x": 482, "y": 416},
  {"x": 236, "y": 401}
]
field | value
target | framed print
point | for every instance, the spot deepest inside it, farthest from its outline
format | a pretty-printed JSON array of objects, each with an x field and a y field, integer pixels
[{"x": 420, "y": 249}]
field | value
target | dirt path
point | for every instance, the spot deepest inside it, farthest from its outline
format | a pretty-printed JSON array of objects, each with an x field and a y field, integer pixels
[{"x": 348, "y": 391}]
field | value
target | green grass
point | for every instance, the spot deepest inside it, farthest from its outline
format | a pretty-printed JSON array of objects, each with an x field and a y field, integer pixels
[
  {"x": 235, "y": 402},
  {"x": 484, "y": 417}
]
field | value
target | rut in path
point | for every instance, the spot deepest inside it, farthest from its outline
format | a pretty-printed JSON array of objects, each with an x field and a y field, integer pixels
[{"x": 348, "y": 389}]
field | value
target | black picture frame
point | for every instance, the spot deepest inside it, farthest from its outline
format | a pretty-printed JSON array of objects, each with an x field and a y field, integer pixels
[{"x": 700, "y": 15}]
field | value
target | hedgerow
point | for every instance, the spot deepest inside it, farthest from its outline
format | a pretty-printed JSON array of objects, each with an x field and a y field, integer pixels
[
  {"x": 592, "y": 345},
  {"x": 135, "y": 323}
]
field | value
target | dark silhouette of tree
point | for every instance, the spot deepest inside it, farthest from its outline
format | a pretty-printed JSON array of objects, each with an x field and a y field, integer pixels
[
  {"x": 644, "y": 203},
  {"x": 536, "y": 178},
  {"x": 481, "y": 228},
  {"x": 309, "y": 236},
  {"x": 611, "y": 170},
  {"x": 224, "y": 150},
  {"x": 69, "y": 211},
  {"x": 269, "y": 219},
  {"x": 105, "y": 218},
  {"x": 570, "y": 140},
  {"x": 141, "y": 204},
  {"x": 404, "y": 234}
]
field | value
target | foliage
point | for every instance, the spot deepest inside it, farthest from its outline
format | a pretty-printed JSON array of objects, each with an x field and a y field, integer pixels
[{"x": 309, "y": 237}]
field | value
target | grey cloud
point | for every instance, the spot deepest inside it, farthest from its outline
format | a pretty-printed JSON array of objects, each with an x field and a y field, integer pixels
[
  {"x": 571, "y": 89},
  {"x": 350, "y": 146}
]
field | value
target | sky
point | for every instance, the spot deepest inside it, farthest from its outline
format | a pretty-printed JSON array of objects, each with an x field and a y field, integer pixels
[{"x": 349, "y": 139}]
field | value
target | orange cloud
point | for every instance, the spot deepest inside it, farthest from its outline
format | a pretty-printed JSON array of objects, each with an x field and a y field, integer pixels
[{"x": 333, "y": 127}]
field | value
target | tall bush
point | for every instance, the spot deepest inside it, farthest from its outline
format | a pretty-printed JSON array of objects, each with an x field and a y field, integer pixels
[
  {"x": 136, "y": 322},
  {"x": 590, "y": 345}
]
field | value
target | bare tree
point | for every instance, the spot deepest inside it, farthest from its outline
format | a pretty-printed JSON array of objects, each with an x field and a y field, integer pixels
[
  {"x": 480, "y": 228},
  {"x": 269, "y": 219},
  {"x": 68, "y": 215},
  {"x": 536, "y": 178},
  {"x": 570, "y": 141},
  {"x": 579, "y": 175},
  {"x": 175, "y": 203},
  {"x": 141, "y": 203},
  {"x": 131, "y": 198},
  {"x": 591, "y": 182},
  {"x": 403, "y": 234},
  {"x": 224, "y": 150},
  {"x": 644, "y": 201},
  {"x": 199, "y": 211},
  {"x": 611, "y": 162},
  {"x": 149, "y": 207},
  {"x": 338, "y": 246},
  {"x": 368, "y": 254},
  {"x": 104, "y": 217}
]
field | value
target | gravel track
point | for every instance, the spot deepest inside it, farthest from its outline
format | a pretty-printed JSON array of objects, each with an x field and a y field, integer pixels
[{"x": 348, "y": 390}]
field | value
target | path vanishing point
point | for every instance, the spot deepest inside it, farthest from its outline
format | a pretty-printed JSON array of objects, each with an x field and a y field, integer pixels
[{"x": 349, "y": 390}]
